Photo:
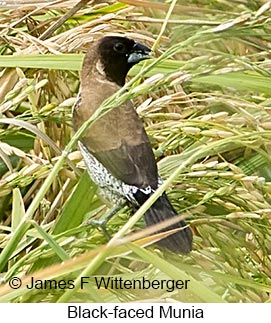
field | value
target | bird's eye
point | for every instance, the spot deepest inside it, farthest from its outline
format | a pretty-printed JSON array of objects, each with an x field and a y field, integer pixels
[{"x": 119, "y": 48}]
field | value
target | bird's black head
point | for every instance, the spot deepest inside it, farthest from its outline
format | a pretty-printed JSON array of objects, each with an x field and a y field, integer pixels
[{"x": 118, "y": 55}]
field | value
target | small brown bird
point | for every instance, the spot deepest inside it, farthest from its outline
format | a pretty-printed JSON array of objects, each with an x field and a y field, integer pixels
[{"x": 116, "y": 148}]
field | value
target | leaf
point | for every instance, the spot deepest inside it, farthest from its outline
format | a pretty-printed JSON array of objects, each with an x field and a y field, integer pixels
[
  {"x": 18, "y": 209},
  {"x": 238, "y": 80},
  {"x": 76, "y": 206}
]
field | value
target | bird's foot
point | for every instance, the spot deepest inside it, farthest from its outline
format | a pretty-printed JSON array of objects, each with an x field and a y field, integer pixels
[{"x": 101, "y": 224}]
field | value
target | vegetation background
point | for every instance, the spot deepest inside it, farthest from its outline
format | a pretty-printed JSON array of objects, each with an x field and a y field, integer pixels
[{"x": 205, "y": 101}]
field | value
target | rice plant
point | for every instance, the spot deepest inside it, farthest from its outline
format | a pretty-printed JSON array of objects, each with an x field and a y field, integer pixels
[{"x": 205, "y": 101}]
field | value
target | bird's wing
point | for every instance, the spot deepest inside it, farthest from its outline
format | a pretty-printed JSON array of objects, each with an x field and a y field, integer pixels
[{"x": 119, "y": 141}]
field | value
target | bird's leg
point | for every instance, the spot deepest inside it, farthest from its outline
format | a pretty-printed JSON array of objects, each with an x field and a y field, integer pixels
[{"x": 101, "y": 223}]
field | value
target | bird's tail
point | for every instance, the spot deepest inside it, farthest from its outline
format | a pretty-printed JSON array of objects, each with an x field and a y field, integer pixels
[{"x": 161, "y": 210}]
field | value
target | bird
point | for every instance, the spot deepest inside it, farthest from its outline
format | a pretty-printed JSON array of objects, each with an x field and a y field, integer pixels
[{"x": 116, "y": 149}]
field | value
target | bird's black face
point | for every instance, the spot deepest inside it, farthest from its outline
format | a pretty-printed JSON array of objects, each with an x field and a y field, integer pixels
[{"x": 119, "y": 54}]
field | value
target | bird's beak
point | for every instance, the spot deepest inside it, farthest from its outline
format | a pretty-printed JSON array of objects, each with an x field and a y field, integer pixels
[{"x": 139, "y": 53}]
